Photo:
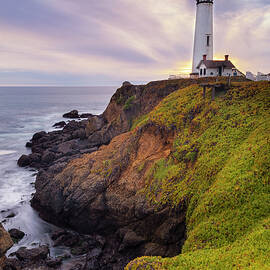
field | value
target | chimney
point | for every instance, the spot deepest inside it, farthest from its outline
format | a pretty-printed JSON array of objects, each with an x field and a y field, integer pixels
[
  {"x": 226, "y": 57},
  {"x": 204, "y": 57}
]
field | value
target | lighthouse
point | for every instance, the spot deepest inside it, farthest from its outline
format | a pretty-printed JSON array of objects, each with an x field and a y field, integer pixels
[{"x": 203, "y": 40}]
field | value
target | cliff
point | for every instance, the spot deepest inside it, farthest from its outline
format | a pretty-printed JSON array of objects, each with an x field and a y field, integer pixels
[
  {"x": 171, "y": 168},
  {"x": 219, "y": 168}
]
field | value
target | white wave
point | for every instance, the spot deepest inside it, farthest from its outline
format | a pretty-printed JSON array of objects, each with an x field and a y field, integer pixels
[{"x": 6, "y": 152}]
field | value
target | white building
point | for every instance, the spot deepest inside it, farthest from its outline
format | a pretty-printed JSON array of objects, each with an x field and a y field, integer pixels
[
  {"x": 209, "y": 68},
  {"x": 259, "y": 77},
  {"x": 203, "y": 40}
]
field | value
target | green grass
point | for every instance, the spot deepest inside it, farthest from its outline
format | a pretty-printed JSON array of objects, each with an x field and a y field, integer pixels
[
  {"x": 129, "y": 103},
  {"x": 219, "y": 168},
  {"x": 140, "y": 121}
]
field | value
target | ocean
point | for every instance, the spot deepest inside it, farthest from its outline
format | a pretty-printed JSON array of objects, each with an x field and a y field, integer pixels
[{"x": 23, "y": 112}]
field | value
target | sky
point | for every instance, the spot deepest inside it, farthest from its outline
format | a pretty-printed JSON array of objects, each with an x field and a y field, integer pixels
[{"x": 105, "y": 42}]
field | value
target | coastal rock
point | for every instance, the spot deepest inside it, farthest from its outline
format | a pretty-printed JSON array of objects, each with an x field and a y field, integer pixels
[
  {"x": 32, "y": 255},
  {"x": 126, "y": 83},
  {"x": 98, "y": 194},
  {"x": 12, "y": 264},
  {"x": 24, "y": 161},
  {"x": 16, "y": 235},
  {"x": 54, "y": 263},
  {"x": 5, "y": 244},
  {"x": 48, "y": 157},
  {"x": 86, "y": 115},
  {"x": 131, "y": 239},
  {"x": 60, "y": 124},
  {"x": 38, "y": 136},
  {"x": 72, "y": 114}
]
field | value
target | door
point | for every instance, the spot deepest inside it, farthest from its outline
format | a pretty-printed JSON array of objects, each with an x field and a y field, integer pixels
[{"x": 220, "y": 71}]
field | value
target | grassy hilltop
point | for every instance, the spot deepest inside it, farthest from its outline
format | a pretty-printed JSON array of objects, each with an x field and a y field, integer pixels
[{"x": 219, "y": 170}]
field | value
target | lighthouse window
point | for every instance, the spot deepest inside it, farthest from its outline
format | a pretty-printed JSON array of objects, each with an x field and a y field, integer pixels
[
  {"x": 201, "y": 71},
  {"x": 204, "y": 72},
  {"x": 208, "y": 41}
]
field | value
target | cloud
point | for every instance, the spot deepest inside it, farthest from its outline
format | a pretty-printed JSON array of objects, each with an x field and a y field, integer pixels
[{"x": 109, "y": 41}]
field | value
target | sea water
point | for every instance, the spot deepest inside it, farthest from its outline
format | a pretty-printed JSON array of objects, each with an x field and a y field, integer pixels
[{"x": 23, "y": 112}]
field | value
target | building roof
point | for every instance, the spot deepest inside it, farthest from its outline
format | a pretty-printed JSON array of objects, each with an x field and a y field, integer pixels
[{"x": 216, "y": 64}]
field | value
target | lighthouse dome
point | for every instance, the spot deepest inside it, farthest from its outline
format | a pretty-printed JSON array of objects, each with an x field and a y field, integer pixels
[{"x": 205, "y": 1}]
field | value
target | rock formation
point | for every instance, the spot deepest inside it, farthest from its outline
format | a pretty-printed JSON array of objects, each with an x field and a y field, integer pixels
[
  {"x": 5, "y": 244},
  {"x": 92, "y": 174}
]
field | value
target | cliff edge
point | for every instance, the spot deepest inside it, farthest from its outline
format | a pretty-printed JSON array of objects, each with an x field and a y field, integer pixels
[{"x": 171, "y": 172}]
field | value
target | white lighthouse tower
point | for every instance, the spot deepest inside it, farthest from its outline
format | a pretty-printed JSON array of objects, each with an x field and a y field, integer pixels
[{"x": 203, "y": 40}]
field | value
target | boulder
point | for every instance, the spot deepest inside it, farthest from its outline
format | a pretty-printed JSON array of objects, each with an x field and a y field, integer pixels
[
  {"x": 86, "y": 115},
  {"x": 126, "y": 83},
  {"x": 131, "y": 239},
  {"x": 32, "y": 255},
  {"x": 16, "y": 235},
  {"x": 54, "y": 263},
  {"x": 72, "y": 114},
  {"x": 38, "y": 136},
  {"x": 28, "y": 145},
  {"x": 34, "y": 158},
  {"x": 60, "y": 124},
  {"x": 24, "y": 161}
]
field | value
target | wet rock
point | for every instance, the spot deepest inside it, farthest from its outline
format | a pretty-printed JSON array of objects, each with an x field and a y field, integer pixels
[
  {"x": 80, "y": 133},
  {"x": 16, "y": 235},
  {"x": 86, "y": 115},
  {"x": 76, "y": 267},
  {"x": 48, "y": 158},
  {"x": 37, "y": 136},
  {"x": 57, "y": 234},
  {"x": 72, "y": 114},
  {"x": 60, "y": 124},
  {"x": 32, "y": 255},
  {"x": 92, "y": 262},
  {"x": 34, "y": 158},
  {"x": 28, "y": 145},
  {"x": 66, "y": 239},
  {"x": 11, "y": 215},
  {"x": 24, "y": 161},
  {"x": 12, "y": 264},
  {"x": 80, "y": 250},
  {"x": 54, "y": 263}
]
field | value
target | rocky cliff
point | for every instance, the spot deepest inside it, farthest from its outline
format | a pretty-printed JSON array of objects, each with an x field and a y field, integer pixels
[{"x": 136, "y": 174}]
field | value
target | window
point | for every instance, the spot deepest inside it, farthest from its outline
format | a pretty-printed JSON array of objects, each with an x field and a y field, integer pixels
[
  {"x": 208, "y": 41},
  {"x": 211, "y": 73},
  {"x": 204, "y": 72},
  {"x": 201, "y": 71}
]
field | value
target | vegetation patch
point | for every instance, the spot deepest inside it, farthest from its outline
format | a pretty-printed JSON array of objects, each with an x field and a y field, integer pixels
[
  {"x": 219, "y": 168},
  {"x": 129, "y": 103}
]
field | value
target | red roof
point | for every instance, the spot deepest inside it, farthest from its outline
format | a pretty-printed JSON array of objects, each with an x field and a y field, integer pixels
[{"x": 216, "y": 64}]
